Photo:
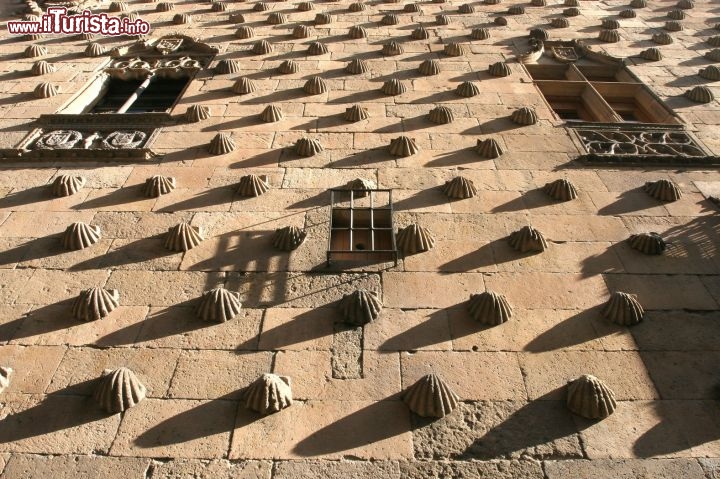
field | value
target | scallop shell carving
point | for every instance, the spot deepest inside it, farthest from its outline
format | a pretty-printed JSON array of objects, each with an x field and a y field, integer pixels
[
  {"x": 253, "y": 185},
  {"x": 430, "y": 397},
  {"x": 414, "y": 239},
  {"x": 652, "y": 54},
  {"x": 700, "y": 94},
  {"x": 527, "y": 239},
  {"x": 224, "y": 67},
  {"x": 480, "y": 34},
  {"x": 5, "y": 375},
  {"x": 609, "y": 36},
  {"x": 243, "y": 86},
  {"x": 158, "y": 185},
  {"x": 393, "y": 87},
  {"x": 429, "y": 67},
  {"x": 403, "y": 146},
  {"x": 491, "y": 2},
  {"x": 589, "y": 397},
  {"x": 317, "y": 48},
  {"x": 357, "y": 31},
  {"x": 271, "y": 114},
  {"x": 686, "y": 4},
  {"x": 46, "y": 90},
  {"x": 301, "y": 31},
  {"x": 390, "y": 19},
  {"x": 218, "y": 305},
  {"x": 221, "y": 144},
  {"x": 571, "y": 3},
  {"x": 560, "y": 22},
  {"x": 516, "y": 10},
  {"x": 467, "y": 89},
  {"x": 95, "y": 50},
  {"x": 571, "y": 12},
  {"x": 466, "y": 8},
  {"x": 441, "y": 115},
  {"x": 538, "y": 3},
  {"x": 392, "y": 49},
  {"x": 442, "y": 19},
  {"x": 454, "y": 49},
  {"x": 42, "y": 68},
  {"x": 412, "y": 8},
  {"x": 360, "y": 185},
  {"x": 663, "y": 190},
  {"x": 524, "y": 116},
  {"x": 623, "y": 309},
  {"x": 305, "y": 6},
  {"x": 539, "y": 34},
  {"x": 277, "y": 18},
  {"x": 288, "y": 238},
  {"x": 713, "y": 54},
  {"x": 648, "y": 243},
  {"x": 262, "y": 47},
  {"x": 323, "y": 19},
  {"x": 711, "y": 72},
  {"x": 183, "y": 237},
  {"x": 662, "y": 38},
  {"x": 673, "y": 26},
  {"x": 182, "y": 19},
  {"x": 308, "y": 147},
  {"x": 356, "y": 113},
  {"x": 118, "y": 7},
  {"x": 501, "y": 21},
  {"x": 118, "y": 390},
  {"x": 357, "y": 66},
  {"x": 500, "y": 69},
  {"x": 638, "y": 3},
  {"x": 610, "y": 24},
  {"x": 34, "y": 51},
  {"x": 420, "y": 33},
  {"x": 66, "y": 185},
  {"x": 80, "y": 235},
  {"x": 714, "y": 41},
  {"x": 218, "y": 7},
  {"x": 288, "y": 67},
  {"x": 95, "y": 303},
  {"x": 165, "y": 7},
  {"x": 628, "y": 13},
  {"x": 489, "y": 148},
  {"x": 269, "y": 394},
  {"x": 261, "y": 7},
  {"x": 459, "y": 188},
  {"x": 196, "y": 113},
  {"x": 357, "y": 7},
  {"x": 360, "y": 307},
  {"x": 489, "y": 308},
  {"x": 561, "y": 190},
  {"x": 244, "y": 32},
  {"x": 315, "y": 86}
]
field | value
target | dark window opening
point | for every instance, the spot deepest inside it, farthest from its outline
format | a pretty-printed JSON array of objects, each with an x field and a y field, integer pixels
[{"x": 159, "y": 96}]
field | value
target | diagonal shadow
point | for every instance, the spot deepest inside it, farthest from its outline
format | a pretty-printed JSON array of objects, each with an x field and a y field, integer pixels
[
  {"x": 207, "y": 198},
  {"x": 43, "y": 320},
  {"x": 629, "y": 201},
  {"x": 497, "y": 251},
  {"x": 422, "y": 199},
  {"x": 141, "y": 250},
  {"x": 456, "y": 158},
  {"x": 575, "y": 330},
  {"x": 127, "y": 194},
  {"x": 420, "y": 335},
  {"x": 30, "y": 250},
  {"x": 303, "y": 327},
  {"x": 35, "y": 194}
]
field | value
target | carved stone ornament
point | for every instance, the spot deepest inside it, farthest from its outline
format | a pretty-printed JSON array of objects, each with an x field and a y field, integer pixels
[
  {"x": 638, "y": 3},
  {"x": 5, "y": 375},
  {"x": 392, "y": 49},
  {"x": 66, "y": 185},
  {"x": 183, "y": 237},
  {"x": 118, "y": 390},
  {"x": 459, "y": 188},
  {"x": 225, "y": 67},
  {"x": 489, "y": 308},
  {"x": 42, "y": 68},
  {"x": 430, "y": 397},
  {"x": 466, "y": 8},
  {"x": 442, "y": 19},
  {"x": 686, "y": 4},
  {"x": 500, "y": 21},
  {"x": 617, "y": 143},
  {"x": 628, "y": 13},
  {"x": 253, "y": 185},
  {"x": 305, "y": 6},
  {"x": 158, "y": 185},
  {"x": 429, "y": 67},
  {"x": 700, "y": 94},
  {"x": 539, "y": 34},
  {"x": 243, "y": 86},
  {"x": 261, "y": 7},
  {"x": 662, "y": 38},
  {"x": 218, "y": 7},
  {"x": 467, "y": 89},
  {"x": 361, "y": 187},
  {"x": 711, "y": 72},
  {"x": 277, "y": 18},
  {"x": 221, "y": 144},
  {"x": 118, "y": 7},
  {"x": 95, "y": 303},
  {"x": 218, "y": 305},
  {"x": 323, "y": 19},
  {"x": 714, "y": 41},
  {"x": 500, "y": 69},
  {"x": 609, "y": 36},
  {"x": 271, "y": 114},
  {"x": 648, "y": 243},
  {"x": 480, "y": 33},
  {"x": 571, "y": 12},
  {"x": 360, "y": 307},
  {"x": 420, "y": 33},
  {"x": 713, "y": 55},
  {"x": 454, "y": 50},
  {"x": 560, "y": 22},
  {"x": 288, "y": 238},
  {"x": 196, "y": 113},
  {"x": 244, "y": 32},
  {"x": 288, "y": 66},
  {"x": 663, "y": 190},
  {"x": 308, "y": 147},
  {"x": 414, "y": 239},
  {"x": 357, "y": 7},
  {"x": 317, "y": 48},
  {"x": 623, "y": 309},
  {"x": 652, "y": 54},
  {"x": 357, "y": 31},
  {"x": 393, "y": 87},
  {"x": 357, "y": 66},
  {"x": 121, "y": 140},
  {"x": 561, "y": 190},
  {"x": 301, "y": 31},
  {"x": 673, "y": 26},
  {"x": 524, "y": 116},
  {"x": 35, "y": 51},
  {"x": 516, "y": 10},
  {"x": 403, "y": 146},
  {"x": 390, "y": 19},
  {"x": 489, "y": 148},
  {"x": 45, "y": 90},
  {"x": 315, "y": 86},
  {"x": 356, "y": 113},
  {"x": 80, "y": 235},
  {"x": 589, "y": 397},
  {"x": 165, "y": 7},
  {"x": 441, "y": 115},
  {"x": 182, "y": 19},
  {"x": 269, "y": 394},
  {"x": 412, "y": 8},
  {"x": 263, "y": 47},
  {"x": 527, "y": 239},
  {"x": 610, "y": 24}
]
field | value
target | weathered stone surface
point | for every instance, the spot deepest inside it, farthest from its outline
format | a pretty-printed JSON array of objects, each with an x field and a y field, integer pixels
[
  {"x": 71, "y": 466},
  {"x": 616, "y": 468}
]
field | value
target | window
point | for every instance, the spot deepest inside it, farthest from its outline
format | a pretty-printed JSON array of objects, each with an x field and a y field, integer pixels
[{"x": 140, "y": 96}]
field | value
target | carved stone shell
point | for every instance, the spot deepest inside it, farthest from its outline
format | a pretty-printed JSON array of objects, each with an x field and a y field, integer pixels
[
  {"x": 700, "y": 94},
  {"x": 221, "y": 144},
  {"x": 42, "y": 68},
  {"x": 308, "y": 147},
  {"x": 165, "y": 7},
  {"x": 288, "y": 238},
  {"x": 80, "y": 235},
  {"x": 713, "y": 54},
  {"x": 95, "y": 303},
  {"x": 360, "y": 307},
  {"x": 182, "y": 19},
  {"x": 277, "y": 18},
  {"x": 663, "y": 190},
  {"x": 711, "y": 72},
  {"x": 524, "y": 116},
  {"x": 638, "y": 3},
  {"x": 560, "y": 22},
  {"x": 46, "y": 90},
  {"x": 393, "y": 87},
  {"x": 714, "y": 41},
  {"x": 243, "y": 86},
  {"x": 356, "y": 113},
  {"x": 392, "y": 49},
  {"x": 158, "y": 185},
  {"x": 420, "y": 33},
  {"x": 467, "y": 89},
  {"x": 454, "y": 50},
  {"x": 673, "y": 26},
  {"x": 5, "y": 375},
  {"x": 500, "y": 69},
  {"x": 571, "y": 3},
  {"x": 609, "y": 36},
  {"x": 271, "y": 114},
  {"x": 480, "y": 34},
  {"x": 390, "y": 19},
  {"x": 460, "y": 188},
  {"x": 441, "y": 115},
  {"x": 224, "y": 67},
  {"x": 218, "y": 7},
  {"x": 317, "y": 48},
  {"x": 628, "y": 13},
  {"x": 66, "y": 185},
  {"x": 491, "y": 2},
  {"x": 489, "y": 308},
  {"x": 95, "y": 50},
  {"x": 269, "y": 394},
  {"x": 315, "y": 86},
  {"x": 183, "y": 237},
  {"x": 253, "y": 185},
  {"x": 590, "y": 398},
  {"x": 118, "y": 390},
  {"x": 623, "y": 309},
  {"x": 218, "y": 305},
  {"x": 305, "y": 6},
  {"x": 403, "y": 146},
  {"x": 196, "y": 113},
  {"x": 652, "y": 54},
  {"x": 430, "y": 397},
  {"x": 323, "y": 19},
  {"x": 539, "y": 34},
  {"x": 516, "y": 10},
  {"x": 357, "y": 7},
  {"x": 527, "y": 239},
  {"x": 538, "y": 3},
  {"x": 414, "y": 239},
  {"x": 648, "y": 243},
  {"x": 489, "y": 148},
  {"x": 289, "y": 66},
  {"x": 357, "y": 66},
  {"x": 262, "y": 47},
  {"x": 561, "y": 190},
  {"x": 359, "y": 185},
  {"x": 502, "y": 21},
  {"x": 412, "y": 8},
  {"x": 118, "y": 7},
  {"x": 662, "y": 38},
  {"x": 442, "y": 19},
  {"x": 244, "y": 32},
  {"x": 686, "y": 4},
  {"x": 261, "y": 7},
  {"x": 429, "y": 67},
  {"x": 466, "y": 8},
  {"x": 610, "y": 24},
  {"x": 357, "y": 31},
  {"x": 301, "y": 31}
]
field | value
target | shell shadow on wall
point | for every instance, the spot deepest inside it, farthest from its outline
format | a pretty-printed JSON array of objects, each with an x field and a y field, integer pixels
[
  {"x": 158, "y": 185},
  {"x": 623, "y": 309},
  {"x": 430, "y": 397},
  {"x": 269, "y": 394},
  {"x": 663, "y": 190},
  {"x": 5, "y": 375},
  {"x": 288, "y": 238},
  {"x": 253, "y": 185},
  {"x": 589, "y": 397},
  {"x": 66, "y": 185},
  {"x": 118, "y": 390},
  {"x": 489, "y": 308},
  {"x": 80, "y": 235},
  {"x": 648, "y": 243},
  {"x": 561, "y": 190},
  {"x": 459, "y": 188},
  {"x": 360, "y": 307},
  {"x": 183, "y": 237},
  {"x": 414, "y": 239},
  {"x": 95, "y": 303},
  {"x": 527, "y": 239},
  {"x": 218, "y": 305}
]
